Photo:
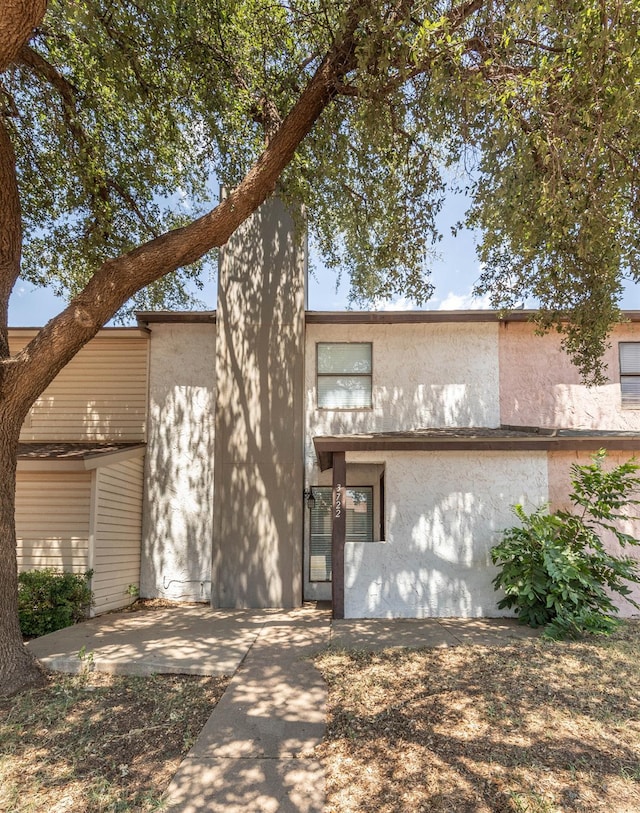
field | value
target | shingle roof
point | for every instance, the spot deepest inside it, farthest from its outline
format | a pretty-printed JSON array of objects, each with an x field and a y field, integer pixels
[
  {"x": 70, "y": 451},
  {"x": 476, "y": 438}
]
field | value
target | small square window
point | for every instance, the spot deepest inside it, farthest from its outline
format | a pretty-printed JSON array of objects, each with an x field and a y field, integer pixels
[
  {"x": 344, "y": 375},
  {"x": 630, "y": 374}
]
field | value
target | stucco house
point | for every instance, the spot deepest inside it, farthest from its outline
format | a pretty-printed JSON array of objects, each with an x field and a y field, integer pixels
[{"x": 263, "y": 454}]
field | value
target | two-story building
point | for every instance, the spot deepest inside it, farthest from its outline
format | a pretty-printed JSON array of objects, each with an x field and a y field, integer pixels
[{"x": 370, "y": 459}]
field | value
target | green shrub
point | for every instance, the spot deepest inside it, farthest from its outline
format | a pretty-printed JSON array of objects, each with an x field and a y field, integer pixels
[
  {"x": 554, "y": 569},
  {"x": 49, "y": 600}
]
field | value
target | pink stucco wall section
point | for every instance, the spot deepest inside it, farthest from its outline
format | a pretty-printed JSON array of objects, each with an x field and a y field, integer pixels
[
  {"x": 559, "y": 477},
  {"x": 540, "y": 387}
]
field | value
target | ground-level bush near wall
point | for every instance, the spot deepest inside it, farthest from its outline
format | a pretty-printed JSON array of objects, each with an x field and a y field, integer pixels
[
  {"x": 49, "y": 600},
  {"x": 555, "y": 570}
]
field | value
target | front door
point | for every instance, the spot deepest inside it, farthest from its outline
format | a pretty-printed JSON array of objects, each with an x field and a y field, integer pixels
[{"x": 317, "y": 547}]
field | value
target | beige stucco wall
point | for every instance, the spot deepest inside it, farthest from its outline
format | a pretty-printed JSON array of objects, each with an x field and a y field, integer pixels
[
  {"x": 178, "y": 506},
  {"x": 540, "y": 387},
  {"x": 100, "y": 395},
  {"x": 424, "y": 375},
  {"x": 444, "y": 511},
  {"x": 559, "y": 467}
]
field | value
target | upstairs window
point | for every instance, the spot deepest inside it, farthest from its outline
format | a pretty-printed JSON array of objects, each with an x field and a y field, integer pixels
[
  {"x": 630, "y": 374},
  {"x": 344, "y": 375}
]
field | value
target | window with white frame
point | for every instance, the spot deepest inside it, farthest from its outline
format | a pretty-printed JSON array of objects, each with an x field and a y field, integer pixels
[
  {"x": 359, "y": 526},
  {"x": 344, "y": 375},
  {"x": 630, "y": 374}
]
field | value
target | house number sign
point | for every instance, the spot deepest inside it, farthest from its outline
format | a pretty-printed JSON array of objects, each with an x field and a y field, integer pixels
[{"x": 338, "y": 503}]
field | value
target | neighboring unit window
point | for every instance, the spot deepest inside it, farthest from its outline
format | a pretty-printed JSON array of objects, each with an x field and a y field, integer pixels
[
  {"x": 359, "y": 521},
  {"x": 630, "y": 374},
  {"x": 382, "y": 521},
  {"x": 344, "y": 375}
]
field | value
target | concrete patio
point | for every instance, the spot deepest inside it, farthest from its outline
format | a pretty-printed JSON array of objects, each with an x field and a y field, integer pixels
[{"x": 198, "y": 640}]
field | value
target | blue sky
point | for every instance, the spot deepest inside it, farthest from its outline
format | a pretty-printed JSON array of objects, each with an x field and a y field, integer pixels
[{"x": 453, "y": 274}]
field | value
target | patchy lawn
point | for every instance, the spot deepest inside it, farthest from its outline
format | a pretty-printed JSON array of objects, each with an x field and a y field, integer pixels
[
  {"x": 96, "y": 742},
  {"x": 537, "y": 727}
]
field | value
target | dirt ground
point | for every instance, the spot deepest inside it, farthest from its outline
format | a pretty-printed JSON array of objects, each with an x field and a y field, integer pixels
[
  {"x": 97, "y": 743},
  {"x": 537, "y": 727}
]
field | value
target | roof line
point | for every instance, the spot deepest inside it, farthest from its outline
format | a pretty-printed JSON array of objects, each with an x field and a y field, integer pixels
[
  {"x": 367, "y": 317},
  {"x": 542, "y": 440},
  {"x": 147, "y": 317},
  {"x": 409, "y": 317}
]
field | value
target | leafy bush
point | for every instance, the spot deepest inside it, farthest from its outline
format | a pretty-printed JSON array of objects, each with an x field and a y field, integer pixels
[
  {"x": 555, "y": 570},
  {"x": 49, "y": 600}
]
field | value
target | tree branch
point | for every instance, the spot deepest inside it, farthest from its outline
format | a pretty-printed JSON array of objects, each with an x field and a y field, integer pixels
[
  {"x": 35, "y": 366},
  {"x": 460, "y": 13},
  {"x": 540, "y": 46},
  {"x": 32, "y": 59},
  {"x": 18, "y": 20},
  {"x": 455, "y": 18},
  {"x": 10, "y": 231},
  {"x": 118, "y": 279},
  {"x": 344, "y": 89}
]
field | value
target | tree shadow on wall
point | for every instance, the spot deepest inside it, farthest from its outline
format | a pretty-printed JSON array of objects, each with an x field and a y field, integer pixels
[{"x": 258, "y": 448}]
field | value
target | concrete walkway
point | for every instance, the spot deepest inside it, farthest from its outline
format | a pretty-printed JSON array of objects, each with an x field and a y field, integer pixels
[{"x": 256, "y": 752}]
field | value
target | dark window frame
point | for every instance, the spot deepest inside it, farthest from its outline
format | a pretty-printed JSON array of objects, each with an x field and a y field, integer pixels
[
  {"x": 368, "y": 376},
  {"x": 628, "y": 375}
]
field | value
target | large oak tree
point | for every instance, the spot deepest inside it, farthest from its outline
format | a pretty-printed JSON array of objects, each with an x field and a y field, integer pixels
[{"x": 114, "y": 117}]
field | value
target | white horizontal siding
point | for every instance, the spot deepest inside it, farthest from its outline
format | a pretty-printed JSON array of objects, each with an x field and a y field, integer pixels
[
  {"x": 100, "y": 395},
  {"x": 118, "y": 532},
  {"x": 52, "y": 520}
]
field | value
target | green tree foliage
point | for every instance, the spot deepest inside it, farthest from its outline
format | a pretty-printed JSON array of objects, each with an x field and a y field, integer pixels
[
  {"x": 122, "y": 113},
  {"x": 556, "y": 570}
]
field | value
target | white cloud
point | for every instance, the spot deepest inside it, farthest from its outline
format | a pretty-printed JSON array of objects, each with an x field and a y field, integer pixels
[
  {"x": 464, "y": 302},
  {"x": 402, "y": 304}
]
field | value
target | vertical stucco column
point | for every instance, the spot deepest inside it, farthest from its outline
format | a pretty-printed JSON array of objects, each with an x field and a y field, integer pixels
[{"x": 258, "y": 465}]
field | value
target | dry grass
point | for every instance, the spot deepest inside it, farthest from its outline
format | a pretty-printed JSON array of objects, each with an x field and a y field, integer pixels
[
  {"x": 536, "y": 727},
  {"x": 96, "y": 742}
]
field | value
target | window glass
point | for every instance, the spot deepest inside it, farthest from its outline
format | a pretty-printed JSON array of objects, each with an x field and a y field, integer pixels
[
  {"x": 320, "y": 544},
  {"x": 630, "y": 373},
  {"x": 344, "y": 357},
  {"x": 359, "y": 522},
  {"x": 630, "y": 390},
  {"x": 344, "y": 375},
  {"x": 344, "y": 392}
]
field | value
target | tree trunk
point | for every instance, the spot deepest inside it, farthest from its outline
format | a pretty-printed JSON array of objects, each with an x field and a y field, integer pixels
[{"x": 19, "y": 669}]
